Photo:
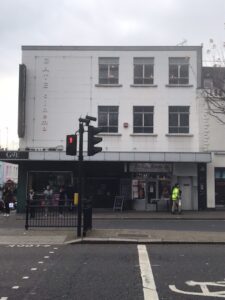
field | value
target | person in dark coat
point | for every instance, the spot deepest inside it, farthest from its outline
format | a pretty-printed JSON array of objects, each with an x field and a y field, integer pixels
[
  {"x": 8, "y": 198},
  {"x": 62, "y": 200}
]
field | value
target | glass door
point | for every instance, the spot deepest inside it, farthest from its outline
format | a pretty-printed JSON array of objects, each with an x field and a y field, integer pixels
[{"x": 152, "y": 190}]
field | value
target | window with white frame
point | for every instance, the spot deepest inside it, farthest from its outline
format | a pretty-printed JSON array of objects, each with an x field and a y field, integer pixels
[
  {"x": 143, "y": 119},
  {"x": 178, "y": 70},
  {"x": 108, "y": 70},
  {"x": 143, "y": 70},
  {"x": 108, "y": 118},
  {"x": 179, "y": 119}
]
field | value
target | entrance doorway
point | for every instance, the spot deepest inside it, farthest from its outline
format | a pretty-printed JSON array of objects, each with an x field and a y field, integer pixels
[
  {"x": 220, "y": 187},
  {"x": 152, "y": 190},
  {"x": 186, "y": 188}
]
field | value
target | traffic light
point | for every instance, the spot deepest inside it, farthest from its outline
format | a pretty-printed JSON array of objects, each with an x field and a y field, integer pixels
[
  {"x": 71, "y": 144},
  {"x": 93, "y": 140}
]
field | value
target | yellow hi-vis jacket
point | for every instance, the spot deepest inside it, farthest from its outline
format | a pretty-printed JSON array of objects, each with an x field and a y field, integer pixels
[{"x": 175, "y": 193}]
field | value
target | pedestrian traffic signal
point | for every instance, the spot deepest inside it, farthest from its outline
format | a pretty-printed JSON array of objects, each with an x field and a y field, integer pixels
[
  {"x": 71, "y": 144},
  {"x": 93, "y": 140}
]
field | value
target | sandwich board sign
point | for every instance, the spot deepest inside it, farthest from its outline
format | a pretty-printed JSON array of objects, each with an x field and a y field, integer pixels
[{"x": 118, "y": 203}]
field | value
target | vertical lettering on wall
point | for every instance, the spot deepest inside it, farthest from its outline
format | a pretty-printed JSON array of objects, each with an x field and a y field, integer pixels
[{"x": 45, "y": 86}]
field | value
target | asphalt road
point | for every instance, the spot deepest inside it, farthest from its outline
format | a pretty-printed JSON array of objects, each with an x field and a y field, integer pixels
[
  {"x": 182, "y": 225},
  {"x": 178, "y": 269},
  {"x": 111, "y": 272}
]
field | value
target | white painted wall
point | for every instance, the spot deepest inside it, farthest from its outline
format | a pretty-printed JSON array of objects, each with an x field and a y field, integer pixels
[
  {"x": 63, "y": 83},
  {"x": 212, "y": 139}
]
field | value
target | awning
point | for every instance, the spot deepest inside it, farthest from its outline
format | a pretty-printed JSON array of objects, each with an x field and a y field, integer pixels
[{"x": 197, "y": 157}]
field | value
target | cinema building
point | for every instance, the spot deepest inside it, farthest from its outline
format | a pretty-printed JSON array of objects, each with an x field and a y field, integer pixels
[{"x": 145, "y": 99}]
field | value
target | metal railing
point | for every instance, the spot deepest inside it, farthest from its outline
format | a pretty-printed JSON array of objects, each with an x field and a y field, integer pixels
[{"x": 39, "y": 215}]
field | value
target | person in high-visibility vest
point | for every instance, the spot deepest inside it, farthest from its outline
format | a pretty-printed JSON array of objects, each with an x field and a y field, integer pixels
[{"x": 176, "y": 198}]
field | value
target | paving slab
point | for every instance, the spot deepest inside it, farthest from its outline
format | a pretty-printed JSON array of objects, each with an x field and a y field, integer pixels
[
  {"x": 12, "y": 230},
  {"x": 153, "y": 236}
]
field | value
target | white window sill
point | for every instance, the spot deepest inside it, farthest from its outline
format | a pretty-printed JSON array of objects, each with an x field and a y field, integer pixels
[
  {"x": 179, "y": 85},
  {"x": 108, "y": 85},
  {"x": 144, "y": 134},
  {"x": 144, "y": 85},
  {"x": 109, "y": 134},
  {"x": 179, "y": 135}
]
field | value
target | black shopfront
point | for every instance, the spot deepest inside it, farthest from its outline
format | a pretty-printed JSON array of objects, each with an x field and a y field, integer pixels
[{"x": 138, "y": 182}]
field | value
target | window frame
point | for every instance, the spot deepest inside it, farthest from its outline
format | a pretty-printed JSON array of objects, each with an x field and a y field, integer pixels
[
  {"x": 143, "y": 62},
  {"x": 142, "y": 128},
  {"x": 177, "y": 64},
  {"x": 181, "y": 129},
  {"x": 108, "y": 111},
  {"x": 111, "y": 65}
]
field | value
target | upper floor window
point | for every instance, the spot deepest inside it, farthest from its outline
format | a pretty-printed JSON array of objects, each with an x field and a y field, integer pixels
[
  {"x": 108, "y": 118},
  {"x": 178, "y": 119},
  {"x": 143, "y": 70},
  {"x": 108, "y": 70},
  {"x": 178, "y": 70},
  {"x": 143, "y": 119}
]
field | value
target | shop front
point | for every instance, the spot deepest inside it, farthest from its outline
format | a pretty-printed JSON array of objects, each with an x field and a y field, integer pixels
[
  {"x": 101, "y": 181},
  {"x": 140, "y": 183},
  {"x": 153, "y": 182},
  {"x": 40, "y": 180},
  {"x": 137, "y": 178}
]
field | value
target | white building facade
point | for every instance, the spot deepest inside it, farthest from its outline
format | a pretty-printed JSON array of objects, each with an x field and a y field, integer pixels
[
  {"x": 212, "y": 133},
  {"x": 145, "y": 99}
]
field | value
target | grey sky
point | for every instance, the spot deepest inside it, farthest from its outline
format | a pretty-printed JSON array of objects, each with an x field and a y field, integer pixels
[{"x": 98, "y": 22}]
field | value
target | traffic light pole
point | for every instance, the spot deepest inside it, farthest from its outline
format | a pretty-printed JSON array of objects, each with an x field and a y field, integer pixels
[
  {"x": 80, "y": 159},
  {"x": 92, "y": 150}
]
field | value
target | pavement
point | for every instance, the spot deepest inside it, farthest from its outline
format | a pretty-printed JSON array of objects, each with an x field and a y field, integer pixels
[{"x": 12, "y": 230}]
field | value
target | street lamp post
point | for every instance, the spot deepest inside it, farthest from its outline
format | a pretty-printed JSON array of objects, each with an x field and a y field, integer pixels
[{"x": 7, "y": 132}]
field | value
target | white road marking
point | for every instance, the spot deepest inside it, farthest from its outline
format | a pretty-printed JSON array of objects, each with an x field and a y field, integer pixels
[
  {"x": 148, "y": 281},
  {"x": 27, "y": 246},
  {"x": 40, "y": 262},
  {"x": 204, "y": 286},
  {"x": 15, "y": 287},
  {"x": 51, "y": 252},
  {"x": 33, "y": 269},
  {"x": 46, "y": 256},
  {"x": 24, "y": 277},
  {"x": 3, "y": 298},
  {"x": 55, "y": 248}
]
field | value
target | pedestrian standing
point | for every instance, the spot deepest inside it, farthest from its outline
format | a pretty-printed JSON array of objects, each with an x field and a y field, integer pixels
[
  {"x": 8, "y": 198},
  {"x": 32, "y": 203},
  {"x": 176, "y": 199},
  {"x": 48, "y": 193},
  {"x": 62, "y": 200},
  {"x": 2, "y": 205}
]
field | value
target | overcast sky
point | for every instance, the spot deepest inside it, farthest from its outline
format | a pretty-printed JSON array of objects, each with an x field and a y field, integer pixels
[{"x": 98, "y": 22}]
